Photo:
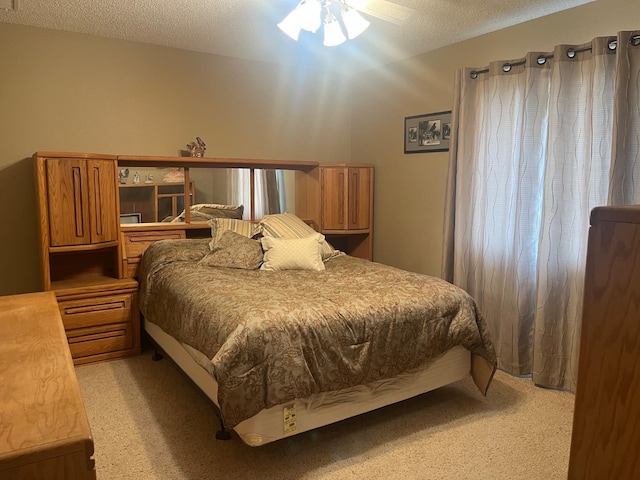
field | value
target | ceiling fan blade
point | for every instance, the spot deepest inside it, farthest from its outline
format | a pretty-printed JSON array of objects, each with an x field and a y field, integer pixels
[{"x": 383, "y": 9}]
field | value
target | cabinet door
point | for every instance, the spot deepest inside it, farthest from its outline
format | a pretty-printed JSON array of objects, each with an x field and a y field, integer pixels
[
  {"x": 82, "y": 201},
  {"x": 359, "y": 198},
  {"x": 102, "y": 193},
  {"x": 68, "y": 199},
  {"x": 334, "y": 187}
]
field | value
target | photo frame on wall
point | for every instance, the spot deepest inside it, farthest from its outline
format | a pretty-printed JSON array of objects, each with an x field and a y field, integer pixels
[{"x": 430, "y": 132}]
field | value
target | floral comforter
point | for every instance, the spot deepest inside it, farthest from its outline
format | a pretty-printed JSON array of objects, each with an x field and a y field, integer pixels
[{"x": 276, "y": 336}]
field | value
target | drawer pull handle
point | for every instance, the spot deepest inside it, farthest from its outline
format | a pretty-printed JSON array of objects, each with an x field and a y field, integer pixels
[
  {"x": 152, "y": 239},
  {"x": 94, "y": 308},
  {"x": 98, "y": 336}
]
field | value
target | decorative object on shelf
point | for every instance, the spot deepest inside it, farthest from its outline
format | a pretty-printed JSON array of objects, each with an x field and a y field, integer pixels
[
  {"x": 148, "y": 178},
  {"x": 136, "y": 178},
  {"x": 198, "y": 148},
  {"x": 174, "y": 176},
  {"x": 309, "y": 15},
  {"x": 123, "y": 174},
  {"x": 427, "y": 133}
]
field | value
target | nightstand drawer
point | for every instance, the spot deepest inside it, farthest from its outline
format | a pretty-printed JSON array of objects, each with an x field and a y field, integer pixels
[
  {"x": 135, "y": 243},
  {"x": 84, "y": 342},
  {"x": 96, "y": 311}
]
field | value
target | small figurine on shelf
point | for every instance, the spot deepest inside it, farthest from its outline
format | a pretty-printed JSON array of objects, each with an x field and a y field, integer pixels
[
  {"x": 148, "y": 178},
  {"x": 136, "y": 178},
  {"x": 123, "y": 174},
  {"x": 198, "y": 148}
]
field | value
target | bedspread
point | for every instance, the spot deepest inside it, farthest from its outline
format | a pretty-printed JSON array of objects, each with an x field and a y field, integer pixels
[{"x": 276, "y": 336}]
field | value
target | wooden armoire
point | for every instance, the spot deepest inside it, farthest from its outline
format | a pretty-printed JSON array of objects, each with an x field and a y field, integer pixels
[{"x": 605, "y": 443}]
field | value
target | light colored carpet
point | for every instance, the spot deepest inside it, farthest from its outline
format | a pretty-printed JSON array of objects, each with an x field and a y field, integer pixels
[{"x": 150, "y": 422}]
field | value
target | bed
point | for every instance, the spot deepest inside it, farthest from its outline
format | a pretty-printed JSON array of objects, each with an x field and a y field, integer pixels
[{"x": 284, "y": 350}]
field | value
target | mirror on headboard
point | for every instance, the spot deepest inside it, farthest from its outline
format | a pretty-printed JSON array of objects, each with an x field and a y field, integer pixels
[{"x": 152, "y": 194}]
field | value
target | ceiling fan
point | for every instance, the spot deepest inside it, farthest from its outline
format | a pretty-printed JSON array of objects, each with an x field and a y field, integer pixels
[{"x": 340, "y": 17}]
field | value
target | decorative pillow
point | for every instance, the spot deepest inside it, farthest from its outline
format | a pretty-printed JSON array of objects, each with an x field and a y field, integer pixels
[
  {"x": 219, "y": 211},
  {"x": 287, "y": 225},
  {"x": 221, "y": 225},
  {"x": 203, "y": 212},
  {"x": 293, "y": 253},
  {"x": 234, "y": 251}
]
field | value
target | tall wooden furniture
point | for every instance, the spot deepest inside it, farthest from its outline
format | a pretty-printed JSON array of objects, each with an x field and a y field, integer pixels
[
  {"x": 341, "y": 197},
  {"x": 81, "y": 254},
  {"x": 606, "y": 425},
  {"x": 44, "y": 431}
]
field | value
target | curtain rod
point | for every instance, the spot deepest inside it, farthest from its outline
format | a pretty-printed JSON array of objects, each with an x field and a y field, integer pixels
[{"x": 541, "y": 60}]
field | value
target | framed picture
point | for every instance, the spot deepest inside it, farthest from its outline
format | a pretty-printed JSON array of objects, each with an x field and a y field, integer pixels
[{"x": 430, "y": 132}]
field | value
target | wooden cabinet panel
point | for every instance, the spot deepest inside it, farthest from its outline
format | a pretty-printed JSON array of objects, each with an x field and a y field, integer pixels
[
  {"x": 606, "y": 424},
  {"x": 103, "y": 201},
  {"x": 346, "y": 207},
  {"x": 346, "y": 197},
  {"x": 82, "y": 201},
  {"x": 68, "y": 202},
  {"x": 359, "y": 205},
  {"x": 334, "y": 194}
]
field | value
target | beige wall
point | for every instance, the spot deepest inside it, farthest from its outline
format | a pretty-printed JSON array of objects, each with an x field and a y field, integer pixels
[
  {"x": 61, "y": 91},
  {"x": 410, "y": 189},
  {"x": 68, "y": 92}
]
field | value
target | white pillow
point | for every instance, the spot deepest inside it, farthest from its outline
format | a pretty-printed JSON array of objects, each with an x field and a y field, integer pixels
[{"x": 293, "y": 253}]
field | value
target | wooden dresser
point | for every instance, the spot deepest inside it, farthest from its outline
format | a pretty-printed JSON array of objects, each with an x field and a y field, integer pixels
[
  {"x": 605, "y": 443},
  {"x": 44, "y": 431}
]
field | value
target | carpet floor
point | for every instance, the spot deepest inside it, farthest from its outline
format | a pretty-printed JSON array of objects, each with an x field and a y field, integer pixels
[{"x": 150, "y": 422}]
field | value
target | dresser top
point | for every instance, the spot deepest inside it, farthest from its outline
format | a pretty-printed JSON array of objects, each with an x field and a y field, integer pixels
[
  {"x": 618, "y": 213},
  {"x": 41, "y": 409}
]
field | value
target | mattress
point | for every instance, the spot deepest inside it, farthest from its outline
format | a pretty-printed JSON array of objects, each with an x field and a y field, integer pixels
[{"x": 270, "y": 424}]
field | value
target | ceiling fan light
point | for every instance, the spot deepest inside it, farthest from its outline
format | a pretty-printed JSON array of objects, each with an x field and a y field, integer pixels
[
  {"x": 332, "y": 32},
  {"x": 309, "y": 12},
  {"x": 354, "y": 22},
  {"x": 291, "y": 24}
]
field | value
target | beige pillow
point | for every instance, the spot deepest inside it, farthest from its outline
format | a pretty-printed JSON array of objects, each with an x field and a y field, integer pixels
[
  {"x": 234, "y": 251},
  {"x": 221, "y": 225},
  {"x": 292, "y": 253},
  {"x": 287, "y": 225}
]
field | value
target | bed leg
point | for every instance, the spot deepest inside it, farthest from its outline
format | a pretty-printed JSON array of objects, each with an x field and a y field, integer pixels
[
  {"x": 223, "y": 433},
  {"x": 157, "y": 356}
]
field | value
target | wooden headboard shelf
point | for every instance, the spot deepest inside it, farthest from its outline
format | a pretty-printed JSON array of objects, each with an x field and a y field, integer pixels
[{"x": 205, "y": 162}]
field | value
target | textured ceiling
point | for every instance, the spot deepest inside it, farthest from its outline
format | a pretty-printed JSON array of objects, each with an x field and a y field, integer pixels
[{"x": 247, "y": 28}]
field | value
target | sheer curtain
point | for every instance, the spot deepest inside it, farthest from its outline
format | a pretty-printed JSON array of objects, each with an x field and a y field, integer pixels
[
  {"x": 536, "y": 144},
  {"x": 269, "y": 191}
]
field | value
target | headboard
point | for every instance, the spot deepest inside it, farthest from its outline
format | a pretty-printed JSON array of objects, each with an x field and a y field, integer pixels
[{"x": 135, "y": 238}]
